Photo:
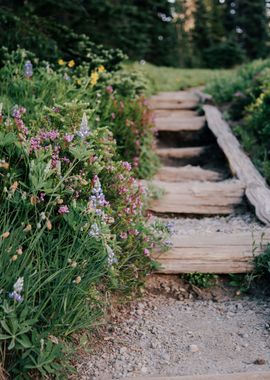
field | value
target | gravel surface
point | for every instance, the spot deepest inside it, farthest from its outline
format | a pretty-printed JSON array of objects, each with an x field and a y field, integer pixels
[
  {"x": 164, "y": 336},
  {"x": 227, "y": 224}
]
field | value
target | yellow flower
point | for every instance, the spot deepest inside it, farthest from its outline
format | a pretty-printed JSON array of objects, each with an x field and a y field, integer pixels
[
  {"x": 71, "y": 63},
  {"x": 94, "y": 78},
  {"x": 61, "y": 62},
  {"x": 101, "y": 69}
]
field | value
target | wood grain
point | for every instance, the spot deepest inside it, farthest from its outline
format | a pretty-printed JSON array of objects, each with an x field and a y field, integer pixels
[
  {"x": 198, "y": 198},
  {"x": 257, "y": 192},
  {"x": 213, "y": 252},
  {"x": 175, "y": 124},
  {"x": 187, "y": 173}
]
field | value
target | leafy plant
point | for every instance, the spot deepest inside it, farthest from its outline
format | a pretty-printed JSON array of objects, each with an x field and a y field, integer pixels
[{"x": 202, "y": 280}]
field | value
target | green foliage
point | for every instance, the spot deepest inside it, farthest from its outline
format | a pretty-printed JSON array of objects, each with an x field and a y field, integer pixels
[
  {"x": 262, "y": 264},
  {"x": 202, "y": 280},
  {"x": 172, "y": 79},
  {"x": 247, "y": 94},
  {"x": 202, "y": 33},
  {"x": 72, "y": 215}
]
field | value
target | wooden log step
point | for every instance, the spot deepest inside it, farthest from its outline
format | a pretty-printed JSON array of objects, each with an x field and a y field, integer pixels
[
  {"x": 179, "y": 114},
  {"x": 187, "y": 173},
  {"x": 213, "y": 252},
  {"x": 173, "y": 104},
  {"x": 257, "y": 191},
  {"x": 181, "y": 153},
  {"x": 198, "y": 198},
  {"x": 175, "y": 95},
  {"x": 173, "y": 124},
  {"x": 259, "y": 375}
]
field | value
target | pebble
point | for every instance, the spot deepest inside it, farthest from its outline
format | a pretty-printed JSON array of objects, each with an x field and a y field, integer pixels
[
  {"x": 158, "y": 343},
  {"x": 193, "y": 348}
]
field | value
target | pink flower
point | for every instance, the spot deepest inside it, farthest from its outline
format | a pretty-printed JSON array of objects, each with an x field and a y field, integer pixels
[
  {"x": 146, "y": 251},
  {"x": 68, "y": 138},
  {"x": 109, "y": 89},
  {"x": 113, "y": 115},
  {"x": 123, "y": 235},
  {"x": 63, "y": 210},
  {"x": 133, "y": 232}
]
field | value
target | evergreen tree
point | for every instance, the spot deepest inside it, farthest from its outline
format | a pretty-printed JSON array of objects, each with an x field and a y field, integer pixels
[
  {"x": 252, "y": 27},
  {"x": 201, "y": 36}
]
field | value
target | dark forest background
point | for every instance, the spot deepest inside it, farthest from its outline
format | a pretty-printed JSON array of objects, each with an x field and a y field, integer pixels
[{"x": 180, "y": 33}]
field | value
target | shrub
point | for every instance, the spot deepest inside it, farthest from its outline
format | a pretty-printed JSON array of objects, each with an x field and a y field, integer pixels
[
  {"x": 247, "y": 98},
  {"x": 115, "y": 104},
  {"x": 73, "y": 226}
]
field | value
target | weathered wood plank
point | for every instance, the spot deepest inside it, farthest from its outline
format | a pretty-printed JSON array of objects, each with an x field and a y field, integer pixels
[
  {"x": 187, "y": 173},
  {"x": 232, "y": 376},
  {"x": 173, "y": 104},
  {"x": 181, "y": 153},
  {"x": 180, "y": 114},
  {"x": 198, "y": 198},
  {"x": 213, "y": 252},
  {"x": 257, "y": 192},
  {"x": 175, "y": 124}
]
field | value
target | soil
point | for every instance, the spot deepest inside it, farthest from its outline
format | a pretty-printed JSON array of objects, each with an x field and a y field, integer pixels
[{"x": 180, "y": 329}]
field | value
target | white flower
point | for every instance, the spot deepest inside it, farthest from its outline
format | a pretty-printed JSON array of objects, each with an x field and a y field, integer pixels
[
  {"x": 18, "y": 286},
  {"x": 84, "y": 129}
]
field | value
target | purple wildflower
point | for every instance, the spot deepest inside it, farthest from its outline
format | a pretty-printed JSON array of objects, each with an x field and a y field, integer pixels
[
  {"x": 127, "y": 166},
  {"x": 17, "y": 290},
  {"x": 50, "y": 135}
]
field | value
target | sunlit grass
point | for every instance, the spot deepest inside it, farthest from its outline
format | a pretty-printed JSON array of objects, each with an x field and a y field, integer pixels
[{"x": 173, "y": 79}]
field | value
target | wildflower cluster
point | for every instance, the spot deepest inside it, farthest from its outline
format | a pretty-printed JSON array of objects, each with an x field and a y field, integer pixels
[{"x": 72, "y": 211}]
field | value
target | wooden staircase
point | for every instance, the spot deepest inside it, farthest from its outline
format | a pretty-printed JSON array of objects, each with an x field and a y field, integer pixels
[{"x": 196, "y": 181}]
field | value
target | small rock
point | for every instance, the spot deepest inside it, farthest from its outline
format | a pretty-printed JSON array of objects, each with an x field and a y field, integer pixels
[
  {"x": 144, "y": 370},
  {"x": 123, "y": 350},
  {"x": 260, "y": 361},
  {"x": 193, "y": 348}
]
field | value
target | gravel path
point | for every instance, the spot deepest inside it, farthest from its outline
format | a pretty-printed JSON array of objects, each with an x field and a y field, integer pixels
[
  {"x": 164, "y": 336},
  {"x": 240, "y": 222}
]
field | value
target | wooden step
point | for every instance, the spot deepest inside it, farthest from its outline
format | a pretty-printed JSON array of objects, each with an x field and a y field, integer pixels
[
  {"x": 187, "y": 173},
  {"x": 259, "y": 375},
  {"x": 181, "y": 153},
  {"x": 198, "y": 198},
  {"x": 213, "y": 252},
  {"x": 173, "y": 124},
  {"x": 180, "y": 114},
  {"x": 174, "y": 100},
  {"x": 173, "y": 104}
]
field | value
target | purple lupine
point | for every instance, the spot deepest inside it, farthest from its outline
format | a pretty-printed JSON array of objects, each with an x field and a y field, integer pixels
[
  {"x": 28, "y": 69},
  {"x": 17, "y": 290}
]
